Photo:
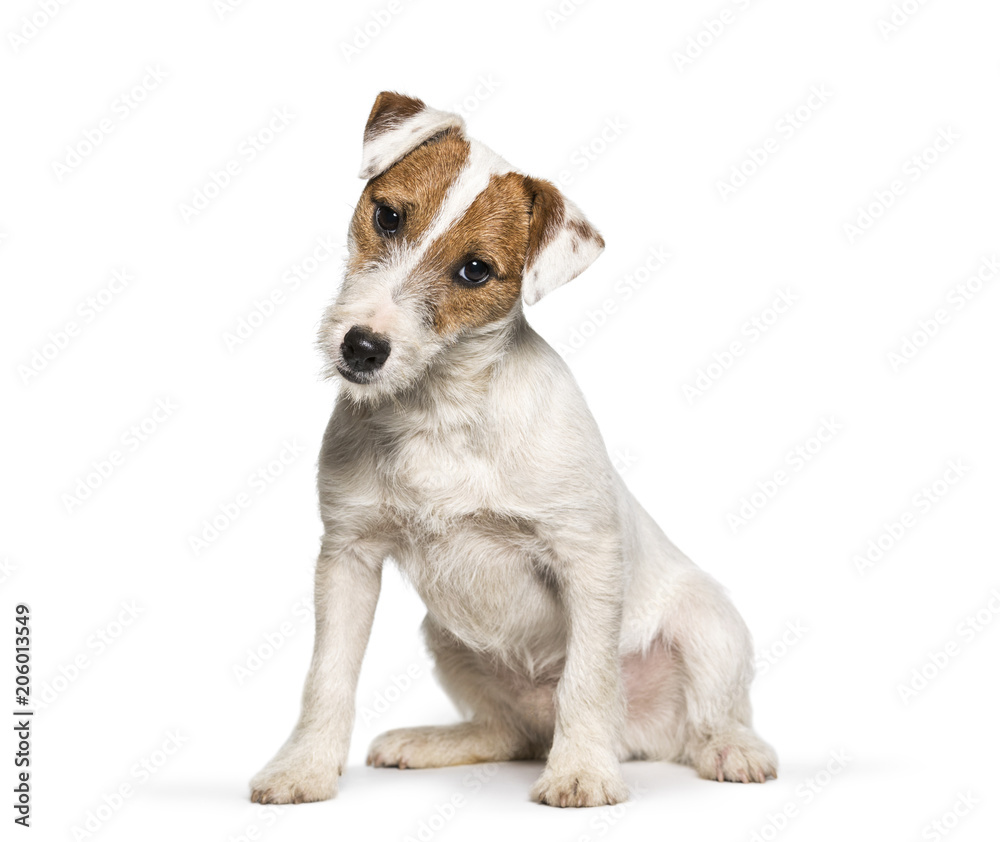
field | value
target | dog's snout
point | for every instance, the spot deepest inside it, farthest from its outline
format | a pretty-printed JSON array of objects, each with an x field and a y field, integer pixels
[{"x": 364, "y": 351}]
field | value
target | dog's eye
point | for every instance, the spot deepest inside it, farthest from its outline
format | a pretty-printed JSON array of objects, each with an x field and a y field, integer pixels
[
  {"x": 386, "y": 219},
  {"x": 474, "y": 272}
]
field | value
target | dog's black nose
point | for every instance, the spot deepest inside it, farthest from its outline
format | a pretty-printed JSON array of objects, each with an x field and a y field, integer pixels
[{"x": 363, "y": 350}]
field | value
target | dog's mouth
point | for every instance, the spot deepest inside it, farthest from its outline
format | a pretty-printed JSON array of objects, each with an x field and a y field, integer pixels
[{"x": 354, "y": 376}]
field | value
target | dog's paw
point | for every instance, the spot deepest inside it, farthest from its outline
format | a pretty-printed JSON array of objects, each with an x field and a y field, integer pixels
[
  {"x": 579, "y": 789},
  {"x": 290, "y": 779},
  {"x": 406, "y": 748},
  {"x": 433, "y": 746},
  {"x": 744, "y": 758}
]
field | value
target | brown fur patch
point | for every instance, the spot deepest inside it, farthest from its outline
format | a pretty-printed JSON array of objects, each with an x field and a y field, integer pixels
[
  {"x": 416, "y": 187},
  {"x": 585, "y": 230},
  {"x": 390, "y": 109},
  {"x": 494, "y": 229},
  {"x": 548, "y": 215}
]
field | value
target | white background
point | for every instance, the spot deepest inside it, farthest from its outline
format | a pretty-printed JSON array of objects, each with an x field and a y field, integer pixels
[{"x": 539, "y": 86}]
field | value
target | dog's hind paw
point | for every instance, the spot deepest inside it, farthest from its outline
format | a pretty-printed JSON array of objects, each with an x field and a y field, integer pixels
[
  {"x": 441, "y": 745},
  {"x": 744, "y": 758}
]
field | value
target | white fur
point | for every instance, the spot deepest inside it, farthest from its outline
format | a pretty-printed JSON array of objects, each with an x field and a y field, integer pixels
[
  {"x": 482, "y": 164},
  {"x": 564, "y": 257},
  {"x": 563, "y": 622},
  {"x": 383, "y": 150}
]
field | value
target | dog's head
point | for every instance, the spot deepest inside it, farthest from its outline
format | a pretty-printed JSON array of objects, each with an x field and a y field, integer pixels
[{"x": 445, "y": 242}]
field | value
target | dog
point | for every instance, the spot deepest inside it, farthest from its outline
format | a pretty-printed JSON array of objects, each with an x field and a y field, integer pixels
[{"x": 561, "y": 619}]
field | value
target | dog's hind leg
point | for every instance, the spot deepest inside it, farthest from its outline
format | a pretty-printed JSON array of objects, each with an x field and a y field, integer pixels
[
  {"x": 444, "y": 745},
  {"x": 504, "y": 724},
  {"x": 654, "y": 689},
  {"x": 715, "y": 647}
]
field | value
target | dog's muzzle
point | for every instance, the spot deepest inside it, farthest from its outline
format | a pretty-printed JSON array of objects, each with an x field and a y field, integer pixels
[{"x": 363, "y": 352}]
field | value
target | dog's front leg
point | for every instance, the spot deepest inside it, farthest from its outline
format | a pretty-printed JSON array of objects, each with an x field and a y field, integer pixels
[
  {"x": 583, "y": 768},
  {"x": 309, "y": 764}
]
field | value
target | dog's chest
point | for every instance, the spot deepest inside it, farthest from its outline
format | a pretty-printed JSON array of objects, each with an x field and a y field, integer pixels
[
  {"x": 481, "y": 578},
  {"x": 435, "y": 478},
  {"x": 469, "y": 553}
]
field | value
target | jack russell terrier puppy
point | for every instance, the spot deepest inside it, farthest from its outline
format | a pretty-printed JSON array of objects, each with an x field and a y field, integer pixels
[{"x": 561, "y": 619}]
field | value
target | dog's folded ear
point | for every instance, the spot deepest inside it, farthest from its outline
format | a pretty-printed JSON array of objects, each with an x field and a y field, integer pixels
[
  {"x": 397, "y": 125},
  {"x": 561, "y": 242}
]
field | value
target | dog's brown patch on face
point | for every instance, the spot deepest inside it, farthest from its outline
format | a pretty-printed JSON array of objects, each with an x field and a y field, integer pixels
[
  {"x": 390, "y": 109},
  {"x": 494, "y": 229},
  {"x": 415, "y": 187}
]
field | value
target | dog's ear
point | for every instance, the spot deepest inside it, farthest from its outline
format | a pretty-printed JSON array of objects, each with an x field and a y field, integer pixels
[
  {"x": 561, "y": 242},
  {"x": 396, "y": 126}
]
